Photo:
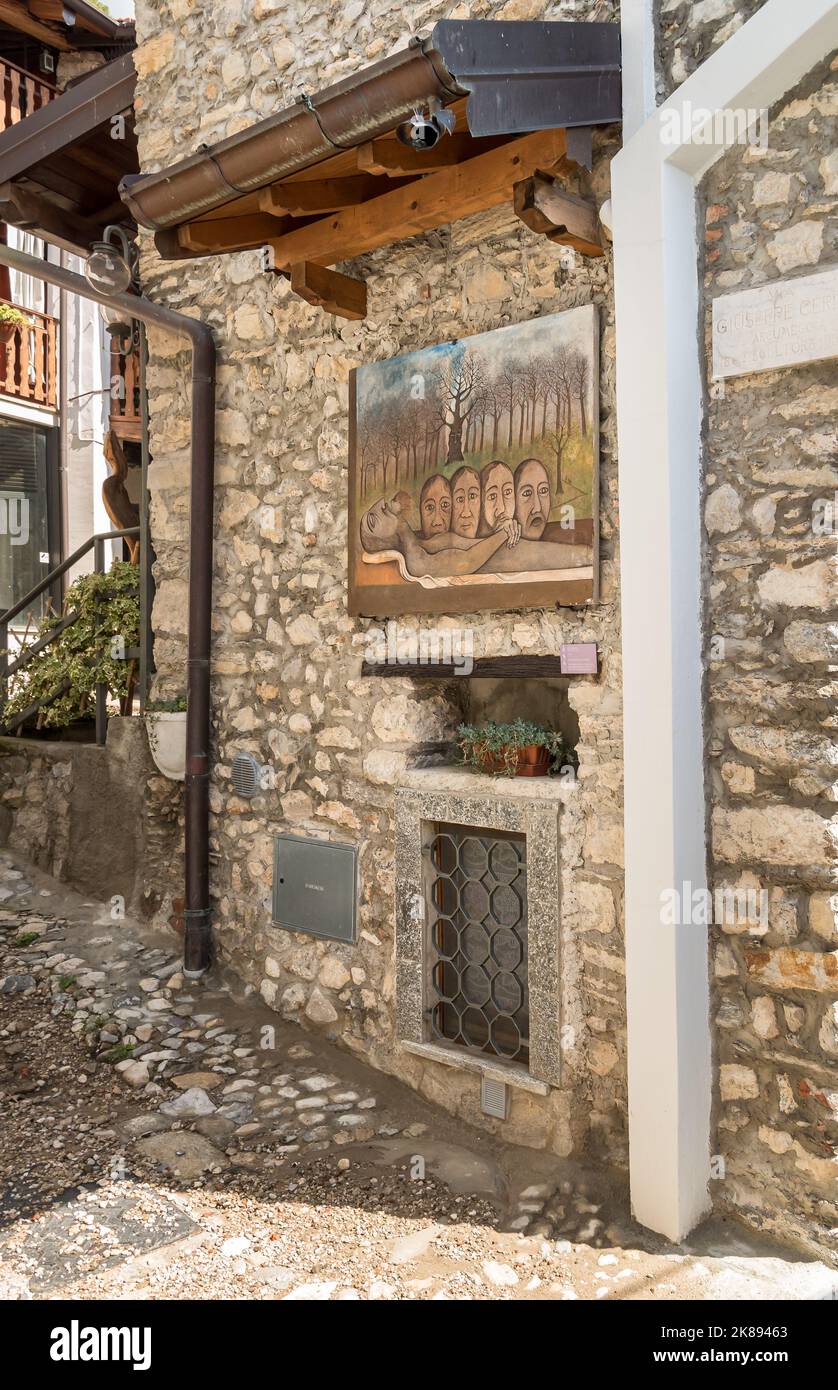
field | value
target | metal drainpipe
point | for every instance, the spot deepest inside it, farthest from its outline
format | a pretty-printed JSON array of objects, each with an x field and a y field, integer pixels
[{"x": 196, "y": 949}]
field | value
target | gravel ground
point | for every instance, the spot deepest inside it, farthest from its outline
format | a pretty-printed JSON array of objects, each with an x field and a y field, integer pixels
[{"x": 152, "y": 1147}]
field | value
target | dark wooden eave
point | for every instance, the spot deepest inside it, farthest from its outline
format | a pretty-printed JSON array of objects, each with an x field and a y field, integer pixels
[
  {"x": 65, "y": 24},
  {"x": 60, "y": 168},
  {"x": 327, "y": 180}
]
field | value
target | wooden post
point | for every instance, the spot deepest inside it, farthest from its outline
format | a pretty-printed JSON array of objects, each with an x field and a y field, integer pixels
[{"x": 101, "y": 688}]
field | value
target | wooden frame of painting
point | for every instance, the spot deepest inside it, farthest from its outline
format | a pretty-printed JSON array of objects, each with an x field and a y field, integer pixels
[{"x": 474, "y": 472}]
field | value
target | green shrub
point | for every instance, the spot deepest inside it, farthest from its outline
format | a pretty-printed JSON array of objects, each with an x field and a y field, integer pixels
[{"x": 91, "y": 650}]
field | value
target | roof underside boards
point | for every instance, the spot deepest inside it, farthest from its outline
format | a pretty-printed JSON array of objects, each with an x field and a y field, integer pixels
[{"x": 60, "y": 167}]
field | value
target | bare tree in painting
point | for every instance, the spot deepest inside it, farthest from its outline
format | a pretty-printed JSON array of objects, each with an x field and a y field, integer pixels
[
  {"x": 457, "y": 386},
  {"x": 508, "y": 383},
  {"x": 579, "y": 377},
  {"x": 558, "y": 386}
]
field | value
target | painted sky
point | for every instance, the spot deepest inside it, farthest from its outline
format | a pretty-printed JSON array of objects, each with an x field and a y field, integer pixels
[{"x": 385, "y": 383}]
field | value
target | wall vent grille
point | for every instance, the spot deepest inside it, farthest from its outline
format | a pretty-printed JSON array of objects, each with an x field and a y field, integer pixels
[
  {"x": 493, "y": 1097},
  {"x": 246, "y": 772}
]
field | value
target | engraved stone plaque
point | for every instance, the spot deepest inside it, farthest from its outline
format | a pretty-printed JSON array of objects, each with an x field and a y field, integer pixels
[{"x": 781, "y": 324}]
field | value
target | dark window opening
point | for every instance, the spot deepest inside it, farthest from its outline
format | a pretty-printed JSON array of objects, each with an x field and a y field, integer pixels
[{"x": 476, "y": 894}]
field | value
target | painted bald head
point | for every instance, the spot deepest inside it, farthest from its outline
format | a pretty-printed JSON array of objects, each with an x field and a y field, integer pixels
[
  {"x": 465, "y": 498},
  {"x": 498, "y": 494},
  {"x": 435, "y": 506},
  {"x": 532, "y": 498}
]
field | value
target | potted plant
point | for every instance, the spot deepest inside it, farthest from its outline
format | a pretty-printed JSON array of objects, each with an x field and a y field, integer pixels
[
  {"x": 11, "y": 319},
  {"x": 518, "y": 749},
  {"x": 165, "y": 722}
]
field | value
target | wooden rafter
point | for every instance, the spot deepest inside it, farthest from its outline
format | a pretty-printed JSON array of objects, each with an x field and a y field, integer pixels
[
  {"x": 13, "y": 13},
  {"x": 210, "y": 238},
  {"x": 327, "y": 289},
  {"x": 389, "y": 156},
  {"x": 562, "y": 217},
  {"x": 316, "y": 196},
  {"x": 482, "y": 182}
]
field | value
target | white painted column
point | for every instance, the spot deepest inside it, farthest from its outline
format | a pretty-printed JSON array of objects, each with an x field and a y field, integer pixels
[
  {"x": 659, "y": 412},
  {"x": 637, "y": 35}
]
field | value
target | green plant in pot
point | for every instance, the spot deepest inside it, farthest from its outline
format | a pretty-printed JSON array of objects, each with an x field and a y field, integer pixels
[
  {"x": 64, "y": 674},
  {"x": 518, "y": 749},
  {"x": 11, "y": 319}
]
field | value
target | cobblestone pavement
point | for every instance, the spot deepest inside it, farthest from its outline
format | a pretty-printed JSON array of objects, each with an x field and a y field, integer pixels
[{"x": 165, "y": 1139}]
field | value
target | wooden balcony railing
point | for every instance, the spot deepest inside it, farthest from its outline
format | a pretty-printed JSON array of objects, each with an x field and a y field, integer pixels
[
  {"x": 125, "y": 419},
  {"x": 21, "y": 93},
  {"x": 28, "y": 359}
]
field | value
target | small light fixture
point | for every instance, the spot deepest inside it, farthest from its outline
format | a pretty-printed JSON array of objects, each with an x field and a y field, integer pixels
[
  {"x": 110, "y": 267},
  {"x": 426, "y": 126}
]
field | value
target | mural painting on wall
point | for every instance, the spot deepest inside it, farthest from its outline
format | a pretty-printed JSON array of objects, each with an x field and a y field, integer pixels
[{"x": 473, "y": 475}]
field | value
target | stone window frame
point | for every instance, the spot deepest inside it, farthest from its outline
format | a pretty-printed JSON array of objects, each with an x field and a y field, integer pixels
[{"x": 538, "y": 820}]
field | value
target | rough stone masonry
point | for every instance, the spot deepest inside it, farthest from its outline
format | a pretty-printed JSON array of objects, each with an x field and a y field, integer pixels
[
  {"x": 286, "y": 657},
  {"x": 772, "y": 754}
]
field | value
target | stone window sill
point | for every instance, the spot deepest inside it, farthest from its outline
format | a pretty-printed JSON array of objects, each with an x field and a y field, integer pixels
[
  {"x": 498, "y": 1070},
  {"x": 445, "y": 778}
]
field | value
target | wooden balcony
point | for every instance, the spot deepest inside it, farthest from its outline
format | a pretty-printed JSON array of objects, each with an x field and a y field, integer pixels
[
  {"x": 28, "y": 360},
  {"x": 21, "y": 93},
  {"x": 126, "y": 419}
]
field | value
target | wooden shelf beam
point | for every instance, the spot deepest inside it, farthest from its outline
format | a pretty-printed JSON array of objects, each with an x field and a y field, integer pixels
[{"x": 491, "y": 667}]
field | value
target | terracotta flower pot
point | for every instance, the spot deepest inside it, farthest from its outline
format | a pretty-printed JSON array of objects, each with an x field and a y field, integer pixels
[
  {"x": 533, "y": 760},
  {"x": 7, "y": 332}
]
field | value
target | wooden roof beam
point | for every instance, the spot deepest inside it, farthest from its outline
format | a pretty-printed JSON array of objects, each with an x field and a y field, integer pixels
[
  {"x": 311, "y": 196},
  {"x": 13, "y": 13},
  {"x": 215, "y": 236},
  {"x": 390, "y": 156},
  {"x": 329, "y": 290},
  {"x": 38, "y": 214},
  {"x": 544, "y": 206},
  {"x": 482, "y": 182}
]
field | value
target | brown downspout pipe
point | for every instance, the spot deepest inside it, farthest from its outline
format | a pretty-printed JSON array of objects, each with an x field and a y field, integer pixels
[{"x": 196, "y": 951}]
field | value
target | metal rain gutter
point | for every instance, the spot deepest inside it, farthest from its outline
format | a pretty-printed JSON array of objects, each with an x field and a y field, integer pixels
[
  {"x": 196, "y": 954},
  {"x": 519, "y": 75}
]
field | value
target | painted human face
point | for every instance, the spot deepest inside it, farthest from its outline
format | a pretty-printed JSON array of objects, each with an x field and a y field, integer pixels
[
  {"x": 498, "y": 495},
  {"x": 466, "y": 499},
  {"x": 435, "y": 506},
  {"x": 379, "y": 526},
  {"x": 532, "y": 498}
]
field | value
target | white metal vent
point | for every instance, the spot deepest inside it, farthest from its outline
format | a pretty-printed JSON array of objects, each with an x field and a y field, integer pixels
[
  {"x": 246, "y": 772},
  {"x": 493, "y": 1097}
]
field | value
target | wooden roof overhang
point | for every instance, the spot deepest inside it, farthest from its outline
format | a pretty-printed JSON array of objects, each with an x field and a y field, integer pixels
[
  {"x": 60, "y": 167},
  {"x": 65, "y": 24},
  {"x": 327, "y": 179}
]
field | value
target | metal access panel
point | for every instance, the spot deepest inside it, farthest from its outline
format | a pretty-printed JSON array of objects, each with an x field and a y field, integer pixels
[{"x": 315, "y": 887}]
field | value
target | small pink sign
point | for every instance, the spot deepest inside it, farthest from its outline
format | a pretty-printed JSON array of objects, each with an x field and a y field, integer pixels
[{"x": 579, "y": 659}]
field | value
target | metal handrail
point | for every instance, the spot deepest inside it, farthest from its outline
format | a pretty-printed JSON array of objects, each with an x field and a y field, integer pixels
[
  {"x": 102, "y": 536},
  {"x": 97, "y": 544}
]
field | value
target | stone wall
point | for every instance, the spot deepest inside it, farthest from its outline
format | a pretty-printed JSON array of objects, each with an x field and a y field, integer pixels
[
  {"x": 690, "y": 30},
  {"x": 101, "y": 819},
  {"x": 286, "y": 655},
  {"x": 772, "y": 607}
]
